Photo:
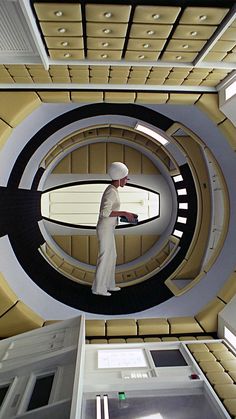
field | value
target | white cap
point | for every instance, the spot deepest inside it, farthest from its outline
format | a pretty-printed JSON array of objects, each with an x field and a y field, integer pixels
[{"x": 118, "y": 170}]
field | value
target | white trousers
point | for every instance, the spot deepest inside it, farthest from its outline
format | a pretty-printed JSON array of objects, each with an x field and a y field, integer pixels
[{"x": 106, "y": 260}]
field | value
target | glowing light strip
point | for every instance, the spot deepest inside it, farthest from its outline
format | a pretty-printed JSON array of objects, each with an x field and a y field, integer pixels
[
  {"x": 230, "y": 90},
  {"x": 178, "y": 233},
  {"x": 151, "y": 133},
  {"x": 177, "y": 178},
  {"x": 182, "y": 220},
  {"x": 106, "y": 410},
  {"x": 183, "y": 205},
  {"x": 98, "y": 408},
  {"x": 182, "y": 191}
]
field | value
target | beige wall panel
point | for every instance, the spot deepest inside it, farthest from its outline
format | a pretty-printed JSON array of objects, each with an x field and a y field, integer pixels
[
  {"x": 155, "y": 82},
  {"x": 93, "y": 250},
  {"x": 229, "y": 130},
  {"x": 209, "y": 103},
  {"x": 66, "y": 267},
  {"x": 54, "y": 97},
  {"x": 80, "y": 160},
  {"x": 87, "y": 97},
  {"x": 64, "y": 166},
  {"x": 152, "y": 264},
  {"x": 147, "y": 242},
  {"x": 141, "y": 271},
  {"x": 133, "y": 160},
  {"x": 120, "y": 249},
  {"x": 132, "y": 247},
  {"x": 89, "y": 277},
  {"x": 80, "y": 248},
  {"x": 60, "y": 79},
  {"x": 42, "y": 80},
  {"x": 228, "y": 291},
  {"x": 121, "y": 97},
  {"x": 7, "y": 297},
  {"x": 229, "y": 34},
  {"x": 148, "y": 168},
  {"x": 22, "y": 79},
  {"x": 15, "y": 106},
  {"x": 183, "y": 98},
  {"x": 161, "y": 257},
  {"x": 151, "y": 97},
  {"x": 18, "y": 72},
  {"x": 97, "y": 158},
  {"x": 214, "y": 56},
  {"x": 5, "y": 131},
  {"x": 62, "y": 70},
  {"x": 115, "y": 152},
  {"x": 64, "y": 242},
  {"x": 127, "y": 276},
  {"x": 78, "y": 273},
  {"x": 19, "y": 319}
]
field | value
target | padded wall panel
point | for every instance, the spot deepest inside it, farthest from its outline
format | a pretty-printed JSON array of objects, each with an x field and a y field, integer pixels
[
  {"x": 133, "y": 160},
  {"x": 15, "y": 106},
  {"x": 80, "y": 248},
  {"x": 7, "y": 296},
  {"x": 155, "y": 98},
  {"x": 64, "y": 242},
  {"x": 115, "y": 152},
  {"x": 132, "y": 248},
  {"x": 97, "y": 158},
  {"x": 80, "y": 160},
  {"x": 228, "y": 291},
  {"x": 93, "y": 250},
  {"x": 148, "y": 167},
  {"x": 54, "y": 97},
  {"x": 20, "y": 318},
  {"x": 87, "y": 97},
  {"x": 5, "y": 131},
  {"x": 119, "y": 249},
  {"x": 183, "y": 98},
  {"x": 64, "y": 166},
  {"x": 229, "y": 130},
  {"x": 209, "y": 103},
  {"x": 207, "y": 317}
]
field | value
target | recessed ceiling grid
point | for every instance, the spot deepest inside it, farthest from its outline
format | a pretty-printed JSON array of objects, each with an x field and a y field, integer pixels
[
  {"x": 111, "y": 74},
  {"x": 111, "y": 32}
]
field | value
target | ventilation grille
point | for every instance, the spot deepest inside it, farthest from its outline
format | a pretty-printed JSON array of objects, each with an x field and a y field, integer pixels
[{"x": 15, "y": 37}]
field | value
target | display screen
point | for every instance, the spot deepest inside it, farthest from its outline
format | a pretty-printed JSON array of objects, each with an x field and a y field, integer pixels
[
  {"x": 168, "y": 358},
  {"x": 121, "y": 358}
]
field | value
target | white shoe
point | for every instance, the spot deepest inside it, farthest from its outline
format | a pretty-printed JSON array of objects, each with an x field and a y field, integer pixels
[
  {"x": 115, "y": 289},
  {"x": 104, "y": 294}
]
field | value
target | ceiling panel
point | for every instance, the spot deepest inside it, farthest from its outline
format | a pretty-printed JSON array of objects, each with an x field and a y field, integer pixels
[
  {"x": 58, "y": 11},
  {"x": 147, "y": 34},
  {"x": 203, "y": 15}
]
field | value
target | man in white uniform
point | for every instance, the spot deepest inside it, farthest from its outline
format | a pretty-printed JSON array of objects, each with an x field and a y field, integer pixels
[{"x": 108, "y": 219}]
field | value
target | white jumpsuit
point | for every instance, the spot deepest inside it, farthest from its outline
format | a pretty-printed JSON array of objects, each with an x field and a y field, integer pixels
[{"x": 106, "y": 260}]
